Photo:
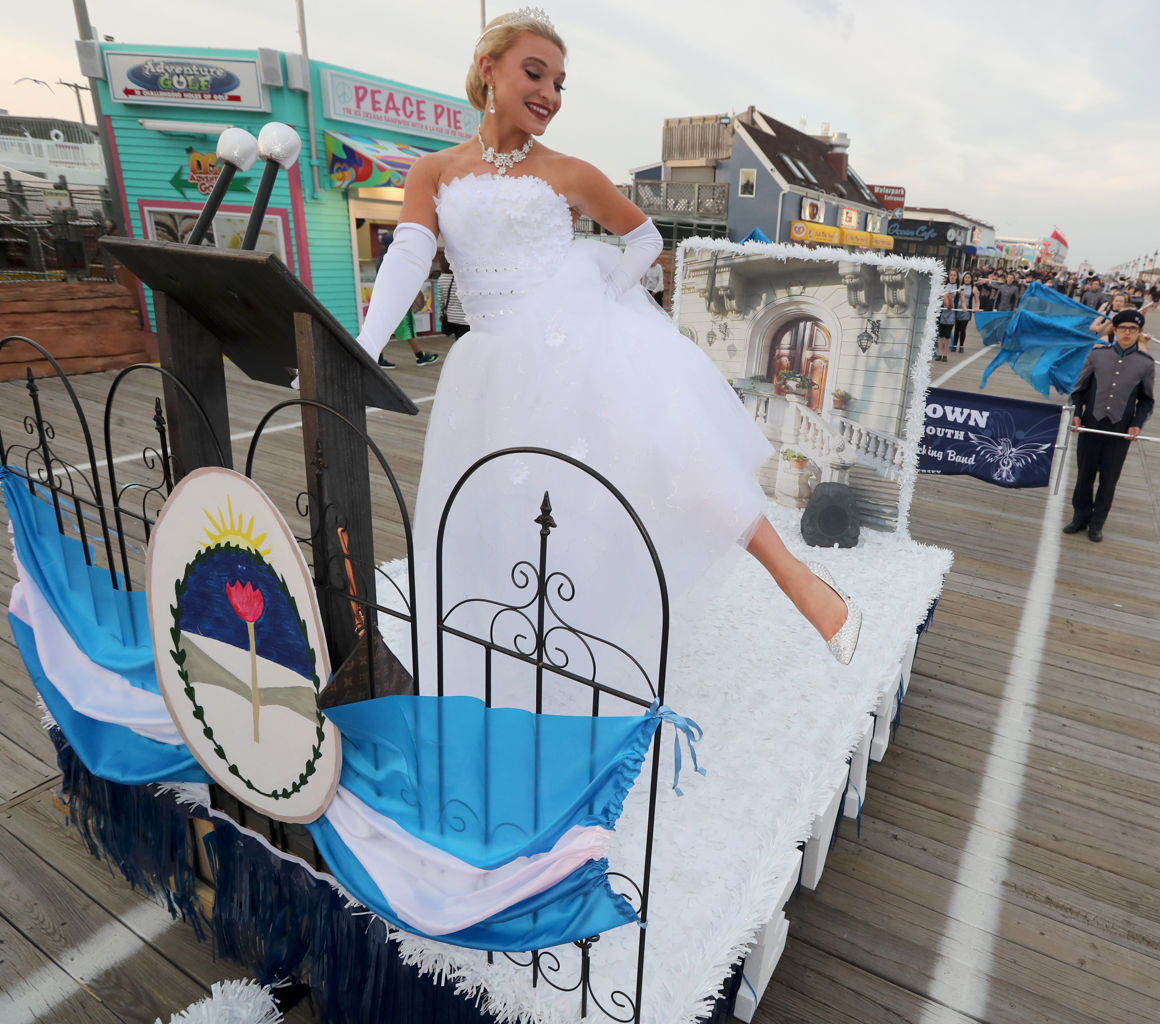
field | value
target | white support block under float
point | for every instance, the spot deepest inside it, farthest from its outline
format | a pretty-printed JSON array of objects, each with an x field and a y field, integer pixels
[
  {"x": 767, "y": 948},
  {"x": 908, "y": 663},
  {"x": 888, "y": 703},
  {"x": 859, "y": 766},
  {"x": 818, "y": 845},
  {"x": 759, "y": 967}
]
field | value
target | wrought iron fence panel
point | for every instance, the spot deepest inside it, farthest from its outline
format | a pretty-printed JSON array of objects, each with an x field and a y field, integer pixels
[
  {"x": 340, "y": 578},
  {"x": 534, "y": 631},
  {"x": 138, "y": 503},
  {"x": 73, "y": 488}
]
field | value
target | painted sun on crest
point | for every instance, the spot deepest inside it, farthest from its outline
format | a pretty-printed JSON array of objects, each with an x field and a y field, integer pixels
[{"x": 230, "y": 530}]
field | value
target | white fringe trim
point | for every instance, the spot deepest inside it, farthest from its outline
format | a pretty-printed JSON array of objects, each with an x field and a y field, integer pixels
[
  {"x": 46, "y": 719},
  {"x": 188, "y": 794}
]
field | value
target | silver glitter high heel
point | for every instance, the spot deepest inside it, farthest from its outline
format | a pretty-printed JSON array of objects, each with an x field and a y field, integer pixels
[{"x": 844, "y": 642}]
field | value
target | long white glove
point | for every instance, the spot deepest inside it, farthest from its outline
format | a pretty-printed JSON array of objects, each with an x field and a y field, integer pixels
[
  {"x": 401, "y": 275},
  {"x": 642, "y": 245}
]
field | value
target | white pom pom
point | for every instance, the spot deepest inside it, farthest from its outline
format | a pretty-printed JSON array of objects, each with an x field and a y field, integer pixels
[
  {"x": 238, "y": 147},
  {"x": 279, "y": 142},
  {"x": 232, "y": 1002}
]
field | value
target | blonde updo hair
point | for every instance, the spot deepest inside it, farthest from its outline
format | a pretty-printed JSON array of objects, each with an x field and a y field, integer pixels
[{"x": 496, "y": 40}]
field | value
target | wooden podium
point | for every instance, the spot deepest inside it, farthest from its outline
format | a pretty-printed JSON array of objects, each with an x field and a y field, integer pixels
[{"x": 247, "y": 305}]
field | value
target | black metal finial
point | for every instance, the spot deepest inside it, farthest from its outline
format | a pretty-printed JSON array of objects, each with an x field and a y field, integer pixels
[{"x": 544, "y": 519}]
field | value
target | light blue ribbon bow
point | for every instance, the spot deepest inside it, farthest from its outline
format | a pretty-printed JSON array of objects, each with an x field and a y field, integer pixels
[{"x": 692, "y": 731}]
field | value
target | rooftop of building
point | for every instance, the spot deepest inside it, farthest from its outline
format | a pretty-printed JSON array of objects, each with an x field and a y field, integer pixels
[
  {"x": 43, "y": 128},
  {"x": 944, "y": 212},
  {"x": 805, "y": 159}
]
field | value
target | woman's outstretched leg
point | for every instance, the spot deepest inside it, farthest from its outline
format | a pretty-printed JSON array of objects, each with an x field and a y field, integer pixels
[{"x": 817, "y": 601}]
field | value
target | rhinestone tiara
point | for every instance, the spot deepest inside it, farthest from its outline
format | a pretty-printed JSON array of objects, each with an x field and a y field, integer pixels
[{"x": 523, "y": 14}]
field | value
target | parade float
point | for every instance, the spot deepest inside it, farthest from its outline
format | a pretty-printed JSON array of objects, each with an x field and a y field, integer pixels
[{"x": 555, "y": 825}]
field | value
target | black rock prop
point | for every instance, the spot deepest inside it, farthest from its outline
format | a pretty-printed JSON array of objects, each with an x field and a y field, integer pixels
[{"x": 831, "y": 517}]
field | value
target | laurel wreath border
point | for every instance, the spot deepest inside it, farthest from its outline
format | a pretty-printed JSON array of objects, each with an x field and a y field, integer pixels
[{"x": 179, "y": 656}]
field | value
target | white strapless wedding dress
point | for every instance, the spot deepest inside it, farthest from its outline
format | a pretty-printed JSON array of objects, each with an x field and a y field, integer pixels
[{"x": 552, "y": 362}]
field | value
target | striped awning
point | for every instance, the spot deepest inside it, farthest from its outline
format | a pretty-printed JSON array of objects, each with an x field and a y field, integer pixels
[{"x": 356, "y": 161}]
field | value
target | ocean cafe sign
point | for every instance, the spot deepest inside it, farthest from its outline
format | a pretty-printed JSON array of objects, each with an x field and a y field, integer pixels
[
  {"x": 183, "y": 81},
  {"x": 371, "y": 103},
  {"x": 931, "y": 232}
]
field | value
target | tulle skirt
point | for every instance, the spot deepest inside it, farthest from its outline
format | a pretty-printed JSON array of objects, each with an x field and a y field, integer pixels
[{"x": 615, "y": 386}]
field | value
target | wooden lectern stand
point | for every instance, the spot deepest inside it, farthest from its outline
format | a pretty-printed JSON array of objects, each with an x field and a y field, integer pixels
[{"x": 248, "y": 306}]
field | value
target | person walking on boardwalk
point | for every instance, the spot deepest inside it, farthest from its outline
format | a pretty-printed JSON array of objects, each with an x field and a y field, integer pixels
[
  {"x": 1007, "y": 294},
  {"x": 1113, "y": 393}
]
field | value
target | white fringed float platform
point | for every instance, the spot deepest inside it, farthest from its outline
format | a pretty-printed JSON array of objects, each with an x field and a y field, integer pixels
[{"x": 788, "y": 737}]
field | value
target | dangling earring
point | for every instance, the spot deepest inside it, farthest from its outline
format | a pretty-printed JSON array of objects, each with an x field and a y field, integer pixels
[{"x": 490, "y": 100}]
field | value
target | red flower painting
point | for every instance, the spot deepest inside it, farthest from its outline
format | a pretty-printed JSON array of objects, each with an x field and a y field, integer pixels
[{"x": 247, "y": 601}]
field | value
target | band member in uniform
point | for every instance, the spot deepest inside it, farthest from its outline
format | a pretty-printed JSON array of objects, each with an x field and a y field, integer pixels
[{"x": 1114, "y": 393}]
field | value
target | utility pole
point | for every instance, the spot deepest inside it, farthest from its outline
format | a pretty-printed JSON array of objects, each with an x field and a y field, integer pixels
[
  {"x": 77, "y": 88},
  {"x": 85, "y": 31},
  {"x": 315, "y": 177}
]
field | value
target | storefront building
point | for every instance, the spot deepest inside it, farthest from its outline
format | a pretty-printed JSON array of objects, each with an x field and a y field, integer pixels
[
  {"x": 1048, "y": 252},
  {"x": 164, "y": 109},
  {"x": 795, "y": 187},
  {"x": 750, "y": 177},
  {"x": 954, "y": 238}
]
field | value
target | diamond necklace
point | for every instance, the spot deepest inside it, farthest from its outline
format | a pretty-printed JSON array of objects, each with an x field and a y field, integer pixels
[{"x": 504, "y": 162}]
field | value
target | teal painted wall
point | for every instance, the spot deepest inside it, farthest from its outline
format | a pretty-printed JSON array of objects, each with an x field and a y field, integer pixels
[{"x": 155, "y": 168}]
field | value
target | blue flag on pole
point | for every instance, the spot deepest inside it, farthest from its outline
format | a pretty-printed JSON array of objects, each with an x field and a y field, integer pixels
[
  {"x": 1045, "y": 340},
  {"x": 1004, "y": 441}
]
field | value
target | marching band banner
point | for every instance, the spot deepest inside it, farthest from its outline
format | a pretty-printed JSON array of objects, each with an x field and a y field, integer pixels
[{"x": 1004, "y": 441}]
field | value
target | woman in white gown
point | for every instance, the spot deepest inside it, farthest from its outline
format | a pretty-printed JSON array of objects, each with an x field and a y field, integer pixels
[{"x": 566, "y": 351}]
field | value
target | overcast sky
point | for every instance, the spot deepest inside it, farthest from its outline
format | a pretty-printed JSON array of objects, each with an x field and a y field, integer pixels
[{"x": 1025, "y": 115}]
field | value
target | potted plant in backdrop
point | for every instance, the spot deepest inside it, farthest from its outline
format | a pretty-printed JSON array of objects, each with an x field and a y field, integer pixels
[
  {"x": 796, "y": 384},
  {"x": 841, "y": 398},
  {"x": 796, "y": 459}
]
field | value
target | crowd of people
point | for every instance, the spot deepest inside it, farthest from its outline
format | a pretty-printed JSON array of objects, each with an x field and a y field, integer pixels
[
  {"x": 1112, "y": 397},
  {"x": 999, "y": 290},
  {"x": 1002, "y": 289}
]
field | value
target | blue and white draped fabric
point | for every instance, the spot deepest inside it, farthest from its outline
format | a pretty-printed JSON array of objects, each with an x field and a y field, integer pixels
[
  {"x": 483, "y": 827},
  {"x": 510, "y": 811},
  {"x": 1045, "y": 340},
  {"x": 88, "y": 649}
]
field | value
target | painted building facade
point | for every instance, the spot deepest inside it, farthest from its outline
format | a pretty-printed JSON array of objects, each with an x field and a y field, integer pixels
[
  {"x": 164, "y": 108},
  {"x": 851, "y": 325},
  {"x": 749, "y": 176}
]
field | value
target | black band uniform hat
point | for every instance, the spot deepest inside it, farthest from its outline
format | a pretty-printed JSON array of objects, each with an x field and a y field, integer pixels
[{"x": 1128, "y": 316}]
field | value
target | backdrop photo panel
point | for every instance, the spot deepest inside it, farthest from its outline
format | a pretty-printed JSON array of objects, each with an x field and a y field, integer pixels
[{"x": 830, "y": 352}]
